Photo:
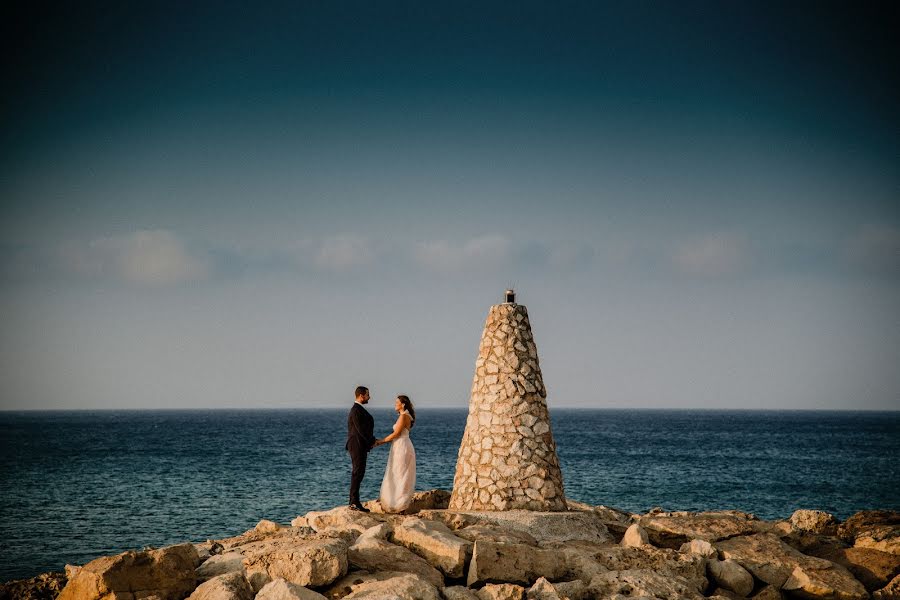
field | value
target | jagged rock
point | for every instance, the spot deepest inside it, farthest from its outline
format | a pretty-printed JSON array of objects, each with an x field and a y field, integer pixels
[
  {"x": 379, "y": 555},
  {"x": 266, "y": 526},
  {"x": 434, "y": 542},
  {"x": 543, "y": 589},
  {"x": 771, "y": 560},
  {"x": 816, "y": 521},
  {"x": 459, "y": 592},
  {"x": 167, "y": 573},
  {"x": 730, "y": 575},
  {"x": 399, "y": 587},
  {"x": 45, "y": 586},
  {"x": 635, "y": 536},
  {"x": 379, "y": 532},
  {"x": 71, "y": 571},
  {"x": 220, "y": 564},
  {"x": 876, "y": 529},
  {"x": 513, "y": 563},
  {"x": 501, "y": 591},
  {"x": 300, "y": 521},
  {"x": 304, "y": 562},
  {"x": 638, "y": 583},
  {"x": 671, "y": 530},
  {"x": 281, "y": 589},
  {"x": 701, "y": 547},
  {"x": 230, "y": 586},
  {"x": 585, "y": 563},
  {"x": 889, "y": 592},
  {"x": 567, "y": 590}
]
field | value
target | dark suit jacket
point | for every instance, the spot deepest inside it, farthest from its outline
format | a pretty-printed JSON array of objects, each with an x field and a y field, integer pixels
[{"x": 360, "y": 429}]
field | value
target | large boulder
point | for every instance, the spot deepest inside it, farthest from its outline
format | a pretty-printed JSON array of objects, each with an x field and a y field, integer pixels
[
  {"x": 873, "y": 568},
  {"x": 379, "y": 555},
  {"x": 876, "y": 529},
  {"x": 640, "y": 583},
  {"x": 671, "y": 530},
  {"x": 400, "y": 587},
  {"x": 635, "y": 536},
  {"x": 219, "y": 564},
  {"x": 281, "y": 589},
  {"x": 341, "y": 518},
  {"x": 815, "y": 521},
  {"x": 771, "y": 560},
  {"x": 542, "y": 526},
  {"x": 303, "y": 562},
  {"x": 435, "y": 542},
  {"x": 701, "y": 547},
  {"x": 513, "y": 563},
  {"x": 493, "y": 533},
  {"x": 230, "y": 586},
  {"x": 732, "y": 576},
  {"x": 167, "y": 573},
  {"x": 501, "y": 591}
]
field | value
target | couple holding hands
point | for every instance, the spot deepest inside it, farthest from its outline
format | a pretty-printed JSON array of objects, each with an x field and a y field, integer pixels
[{"x": 400, "y": 474}]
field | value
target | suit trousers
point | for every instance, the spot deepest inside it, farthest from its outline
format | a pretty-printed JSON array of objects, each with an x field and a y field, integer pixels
[{"x": 358, "y": 457}]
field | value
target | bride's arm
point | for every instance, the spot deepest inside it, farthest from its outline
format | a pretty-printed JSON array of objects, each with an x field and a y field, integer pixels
[{"x": 399, "y": 426}]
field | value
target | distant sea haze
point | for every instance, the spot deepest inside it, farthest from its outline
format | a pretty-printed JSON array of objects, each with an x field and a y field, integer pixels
[{"x": 77, "y": 485}]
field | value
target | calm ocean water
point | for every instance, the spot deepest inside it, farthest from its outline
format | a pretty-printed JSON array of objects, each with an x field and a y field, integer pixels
[{"x": 76, "y": 485}]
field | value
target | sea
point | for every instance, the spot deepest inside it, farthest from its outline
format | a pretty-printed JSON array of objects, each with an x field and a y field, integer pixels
[{"x": 77, "y": 485}]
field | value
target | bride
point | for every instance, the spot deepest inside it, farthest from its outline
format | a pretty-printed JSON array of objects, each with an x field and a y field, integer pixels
[{"x": 400, "y": 473}]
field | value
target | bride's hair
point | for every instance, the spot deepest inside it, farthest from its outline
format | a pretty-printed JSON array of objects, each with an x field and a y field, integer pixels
[{"x": 408, "y": 406}]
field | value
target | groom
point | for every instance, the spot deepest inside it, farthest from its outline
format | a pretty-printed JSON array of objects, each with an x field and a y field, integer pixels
[{"x": 360, "y": 439}]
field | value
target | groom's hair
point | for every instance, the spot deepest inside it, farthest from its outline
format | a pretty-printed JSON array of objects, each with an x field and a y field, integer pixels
[{"x": 361, "y": 391}]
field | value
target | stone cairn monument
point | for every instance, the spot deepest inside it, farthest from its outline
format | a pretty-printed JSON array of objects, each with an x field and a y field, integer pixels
[{"x": 507, "y": 459}]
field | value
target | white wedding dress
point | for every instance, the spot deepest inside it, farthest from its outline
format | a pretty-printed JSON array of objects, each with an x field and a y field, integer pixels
[{"x": 400, "y": 474}]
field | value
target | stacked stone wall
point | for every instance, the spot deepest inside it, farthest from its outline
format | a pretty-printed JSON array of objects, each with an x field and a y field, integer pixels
[{"x": 507, "y": 459}]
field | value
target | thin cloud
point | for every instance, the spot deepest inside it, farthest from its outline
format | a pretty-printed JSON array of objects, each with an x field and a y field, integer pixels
[
  {"x": 480, "y": 252},
  {"x": 713, "y": 255},
  {"x": 875, "y": 249},
  {"x": 146, "y": 258},
  {"x": 343, "y": 252}
]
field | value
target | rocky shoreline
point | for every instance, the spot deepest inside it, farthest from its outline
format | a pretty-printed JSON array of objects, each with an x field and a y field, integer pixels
[{"x": 432, "y": 553}]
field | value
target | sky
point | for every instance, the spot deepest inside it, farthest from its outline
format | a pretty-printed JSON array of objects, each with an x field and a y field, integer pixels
[{"x": 264, "y": 205}]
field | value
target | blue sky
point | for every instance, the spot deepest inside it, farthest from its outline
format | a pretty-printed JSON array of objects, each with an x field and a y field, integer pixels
[{"x": 228, "y": 205}]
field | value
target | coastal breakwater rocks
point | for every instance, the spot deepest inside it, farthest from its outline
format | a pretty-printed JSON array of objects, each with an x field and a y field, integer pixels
[
  {"x": 442, "y": 554},
  {"x": 507, "y": 459}
]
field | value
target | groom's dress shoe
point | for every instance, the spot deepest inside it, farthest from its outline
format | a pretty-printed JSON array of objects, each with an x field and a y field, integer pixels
[{"x": 359, "y": 507}]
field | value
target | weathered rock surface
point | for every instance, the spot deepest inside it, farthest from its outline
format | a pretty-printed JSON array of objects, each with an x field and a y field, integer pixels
[
  {"x": 501, "y": 591},
  {"x": 429, "y": 500},
  {"x": 379, "y": 555},
  {"x": 671, "y": 530},
  {"x": 815, "y": 521},
  {"x": 45, "y": 586},
  {"x": 732, "y": 576},
  {"x": 341, "y": 519},
  {"x": 541, "y": 526},
  {"x": 494, "y": 533},
  {"x": 281, "y": 589},
  {"x": 873, "y": 568},
  {"x": 771, "y": 560},
  {"x": 230, "y": 586},
  {"x": 399, "y": 587},
  {"x": 889, "y": 592},
  {"x": 459, "y": 592},
  {"x": 639, "y": 583},
  {"x": 585, "y": 563},
  {"x": 220, "y": 564},
  {"x": 701, "y": 547},
  {"x": 435, "y": 542},
  {"x": 566, "y": 590},
  {"x": 167, "y": 573},
  {"x": 513, "y": 563},
  {"x": 303, "y": 562},
  {"x": 876, "y": 529}
]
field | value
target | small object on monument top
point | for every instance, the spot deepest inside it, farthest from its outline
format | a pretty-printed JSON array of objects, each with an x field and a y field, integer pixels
[{"x": 510, "y": 296}]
